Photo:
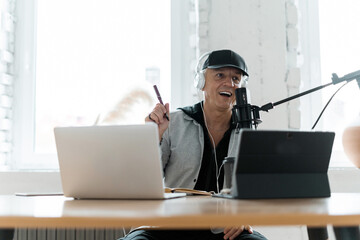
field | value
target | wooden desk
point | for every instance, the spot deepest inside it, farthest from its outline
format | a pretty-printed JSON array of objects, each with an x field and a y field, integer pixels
[{"x": 189, "y": 212}]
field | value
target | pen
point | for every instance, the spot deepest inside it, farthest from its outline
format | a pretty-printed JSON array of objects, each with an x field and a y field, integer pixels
[{"x": 160, "y": 100}]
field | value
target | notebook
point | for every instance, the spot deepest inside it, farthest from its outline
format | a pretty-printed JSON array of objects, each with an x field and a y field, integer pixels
[
  {"x": 282, "y": 164},
  {"x": 111, "y": 162}
]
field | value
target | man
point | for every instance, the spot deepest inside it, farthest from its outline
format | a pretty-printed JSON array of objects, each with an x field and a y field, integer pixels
[{"x": 197, "y": 139}]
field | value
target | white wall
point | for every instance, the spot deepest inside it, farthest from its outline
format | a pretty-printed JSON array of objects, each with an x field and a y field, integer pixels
[{"x": 265, "y": 34}]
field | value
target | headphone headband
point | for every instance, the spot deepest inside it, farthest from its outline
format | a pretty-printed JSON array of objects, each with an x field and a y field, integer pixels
[{"x": 198, "y": 66}]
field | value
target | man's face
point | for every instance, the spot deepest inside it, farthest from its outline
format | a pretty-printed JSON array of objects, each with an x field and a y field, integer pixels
[{"x": 220, "y": 85}]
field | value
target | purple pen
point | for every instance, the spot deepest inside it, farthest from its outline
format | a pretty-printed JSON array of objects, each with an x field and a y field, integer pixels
[{"x": 160, "y": 100}]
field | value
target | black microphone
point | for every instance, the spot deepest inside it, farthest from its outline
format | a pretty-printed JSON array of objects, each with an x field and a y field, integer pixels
[{"x": 242, "y": 109}]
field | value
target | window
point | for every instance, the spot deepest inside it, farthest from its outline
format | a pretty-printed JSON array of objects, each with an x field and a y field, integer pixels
[
  {"x": 337, "y": 52},
  {"x": 339, "y": 49},
  {"x": 7, "y": 27},
  {"x": 89, "y": 57}
]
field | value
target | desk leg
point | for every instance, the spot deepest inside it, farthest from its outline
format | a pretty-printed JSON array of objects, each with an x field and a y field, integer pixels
[
  {"x": 347, "y": 233},
  {"x": 6, "y": 234},
  {"x": 317, "y": 233}
]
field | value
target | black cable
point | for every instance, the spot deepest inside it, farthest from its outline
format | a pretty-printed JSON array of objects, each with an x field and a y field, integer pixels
[{"x": 317, "y": 120}]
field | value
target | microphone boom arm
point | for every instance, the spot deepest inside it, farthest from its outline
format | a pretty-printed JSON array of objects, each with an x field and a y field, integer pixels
[
  {"x": 270, "y": 105},
  {"x": 335, "y": 80},
  {"x": 246, "y": 115}
]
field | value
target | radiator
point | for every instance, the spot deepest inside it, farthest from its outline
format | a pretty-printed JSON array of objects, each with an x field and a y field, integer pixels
[{"x": 68, "y": 234}]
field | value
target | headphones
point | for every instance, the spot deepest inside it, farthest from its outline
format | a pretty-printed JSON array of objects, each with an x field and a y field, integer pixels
[{"x": 199, "y": 80}]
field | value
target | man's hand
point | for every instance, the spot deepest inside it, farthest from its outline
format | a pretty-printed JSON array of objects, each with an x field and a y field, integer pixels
[
  {"x": 232, "y": 232},
  {"x": 158, "y": 116}
]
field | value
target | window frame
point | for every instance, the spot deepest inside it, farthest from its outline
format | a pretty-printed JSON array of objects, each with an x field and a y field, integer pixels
[
  {"x": 312, "y": 104},
  {"x": 310, "y": 69},
  {"x": 23, "y": 156},
  {"x": 24, "y": 88}
]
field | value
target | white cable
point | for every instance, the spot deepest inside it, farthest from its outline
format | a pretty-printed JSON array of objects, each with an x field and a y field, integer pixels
[
  {"x": 217, "y": 178},
  {"x": 232, "y": 144},
  {"x": 217, "y": 172}
]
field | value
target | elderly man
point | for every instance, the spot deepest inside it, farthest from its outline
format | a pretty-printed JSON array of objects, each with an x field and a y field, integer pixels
[{"x": 196, "y": 139}]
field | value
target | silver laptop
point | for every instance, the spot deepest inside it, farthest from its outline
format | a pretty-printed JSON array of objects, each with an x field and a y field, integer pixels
[{"x": 111, "y": 162}]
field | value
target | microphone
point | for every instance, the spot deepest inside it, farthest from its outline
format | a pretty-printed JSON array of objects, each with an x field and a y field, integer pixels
[{"x": 242, "y": 110}]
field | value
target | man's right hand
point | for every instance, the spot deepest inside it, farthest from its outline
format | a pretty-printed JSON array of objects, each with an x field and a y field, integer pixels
[{"x": 158, "y": 116}]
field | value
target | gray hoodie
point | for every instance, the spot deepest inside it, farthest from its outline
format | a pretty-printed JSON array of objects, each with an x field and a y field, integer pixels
[{"x": 182, "y": 149}]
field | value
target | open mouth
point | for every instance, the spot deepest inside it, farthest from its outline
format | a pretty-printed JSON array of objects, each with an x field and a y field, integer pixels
[{"x": 225, "y": 93}]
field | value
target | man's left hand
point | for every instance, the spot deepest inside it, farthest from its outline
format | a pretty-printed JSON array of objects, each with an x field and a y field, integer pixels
[{"x": 232, "y": 232}]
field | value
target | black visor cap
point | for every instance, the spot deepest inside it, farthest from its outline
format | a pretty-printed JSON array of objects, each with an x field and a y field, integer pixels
[{"x": 225, "y": 58}]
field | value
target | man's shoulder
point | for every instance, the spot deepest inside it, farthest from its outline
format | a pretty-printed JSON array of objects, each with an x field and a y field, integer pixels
[
  {"x": 177, "y": 114},
  {"x": 189, "y": 110},
  {"x": 180, "y": 117}
]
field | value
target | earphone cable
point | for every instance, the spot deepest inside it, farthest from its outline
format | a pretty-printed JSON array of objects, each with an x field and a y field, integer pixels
[
  {"x": 217, "y": 172},
  {"x": 323, "y": 110}
]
